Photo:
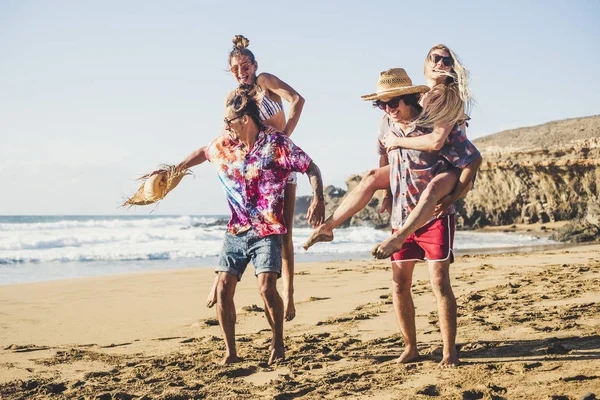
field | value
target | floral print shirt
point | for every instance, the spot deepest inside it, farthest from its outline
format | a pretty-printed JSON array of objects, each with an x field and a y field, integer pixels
[
  {"x": 412, "y": 170},
  {"x": 254, "y": 181}
]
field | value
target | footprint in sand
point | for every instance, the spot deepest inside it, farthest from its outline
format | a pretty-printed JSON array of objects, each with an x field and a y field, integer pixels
[
  {"x": 114, "y": 345},
  {"x": 314, "y": 298},
  {"x": 168, "y": 338},
  {"x": 15, "y": 348},
  {"x": 253, "y": 308},
  {"x": 210, "y": 322},
  {"x": 429, "y": 390},
  {"x": 472, "y": 395}
]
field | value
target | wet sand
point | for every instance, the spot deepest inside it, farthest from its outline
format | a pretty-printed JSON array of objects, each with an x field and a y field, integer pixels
[{"x": 528, "y": 328}]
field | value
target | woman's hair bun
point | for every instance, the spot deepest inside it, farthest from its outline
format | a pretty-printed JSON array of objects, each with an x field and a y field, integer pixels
[{"x": 240, "y": 42}]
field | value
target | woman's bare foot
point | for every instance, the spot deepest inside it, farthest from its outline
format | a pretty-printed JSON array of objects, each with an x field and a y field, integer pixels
[
  {"x": 450, "y": 361},
  {"x": 388, "y": 247},
  {"x": 230, "y": 360},
  {"x": 289, "y": 307},
  {"x": 322, "y": 234},
  {"x": 409, "y": 355},
  {"x": 211, "y": 300},
  {"x": 277, "y": 354}
]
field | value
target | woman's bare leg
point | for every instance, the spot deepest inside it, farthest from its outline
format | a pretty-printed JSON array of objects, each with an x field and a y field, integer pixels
[
  {"x": 287, "y": 268},
  {"x": 211, "y": 299},
  {"x": 355, "y": 201},
  {"x": 439, "y": 187}
]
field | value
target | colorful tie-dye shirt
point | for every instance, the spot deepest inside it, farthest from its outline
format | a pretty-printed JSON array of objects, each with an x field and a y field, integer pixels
[
  {"x": 412, "y": 170},
  {"x": 254, "y": 181}
]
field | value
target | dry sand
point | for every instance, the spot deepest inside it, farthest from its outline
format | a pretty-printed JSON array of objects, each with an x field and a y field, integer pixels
[{"x": 529, "y": 328}]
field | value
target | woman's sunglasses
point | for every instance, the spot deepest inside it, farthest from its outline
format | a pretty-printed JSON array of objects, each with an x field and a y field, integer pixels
[
  {"x": 393, "y": 103},
  {"x": 446, "y": 60},
  {"x": 244, "y": 67}
]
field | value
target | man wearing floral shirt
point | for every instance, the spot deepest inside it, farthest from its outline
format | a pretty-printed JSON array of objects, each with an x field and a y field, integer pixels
[{"x": 253, "y": 162}]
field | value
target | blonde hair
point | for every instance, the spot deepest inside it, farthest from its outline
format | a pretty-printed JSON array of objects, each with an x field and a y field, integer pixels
[
  {"x": 442, "y": 106},
  {"x": 457, "y": 83}
]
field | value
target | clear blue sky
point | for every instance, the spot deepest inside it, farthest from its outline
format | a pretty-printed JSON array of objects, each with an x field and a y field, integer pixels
[{"x": 94, "y": 94}]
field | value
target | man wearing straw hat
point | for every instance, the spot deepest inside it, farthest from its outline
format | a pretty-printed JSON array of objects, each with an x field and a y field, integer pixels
[
  {"x": 410, "y": 172},
  {"x": 253, "y": 162}
]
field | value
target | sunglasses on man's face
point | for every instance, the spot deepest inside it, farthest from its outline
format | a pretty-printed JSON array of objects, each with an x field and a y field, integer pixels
[
  {"x": 393, "y": 103},
  {"x": 446, "y": 60},
  {"x": 244, "y": 67},
  {"x": 229, "y": 121}
]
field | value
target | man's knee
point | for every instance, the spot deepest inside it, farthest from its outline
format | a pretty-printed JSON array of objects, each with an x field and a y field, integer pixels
[
  {"x": 225, "y": 287},
  {"x": 267, "y": 288},
  {"x": 440, "y": 282},
  {"x": 401, "y": 285}
]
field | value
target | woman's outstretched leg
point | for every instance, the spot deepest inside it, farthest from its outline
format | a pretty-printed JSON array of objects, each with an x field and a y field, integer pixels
[
  {"x": 439, "y": 187},
  {"x": 355, "y": 201},
  {"x": 287, "y": 258},
  {"x": 211, "y": 299}
]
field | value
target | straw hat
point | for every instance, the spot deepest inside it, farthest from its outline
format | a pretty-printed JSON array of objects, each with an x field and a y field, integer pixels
[
  {"x": 393, "y": 83},
  {"x": 157, "y": 185}
]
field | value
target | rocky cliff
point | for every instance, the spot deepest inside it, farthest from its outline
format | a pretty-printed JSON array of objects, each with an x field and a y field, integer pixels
[{"x": 544, "y": 173}]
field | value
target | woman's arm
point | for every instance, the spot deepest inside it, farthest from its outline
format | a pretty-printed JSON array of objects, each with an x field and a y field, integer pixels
[
  {"x": 285, "y": 91},
  {"x": 430, "y": 142},
  {"x": 316, "y": 210}
]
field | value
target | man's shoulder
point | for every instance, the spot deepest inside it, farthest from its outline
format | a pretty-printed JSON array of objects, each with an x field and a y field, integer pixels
[
  {"x": 220, "y": 146},
  {"x": 385, "y": 122},
  {"x": 275, "y": 136},
  {"x": 222, "y": 140},
  {"x": 385, "y": 126}
]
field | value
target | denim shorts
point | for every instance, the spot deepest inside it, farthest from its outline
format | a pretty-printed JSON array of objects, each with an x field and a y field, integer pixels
[{"x": 239, "y": 250}]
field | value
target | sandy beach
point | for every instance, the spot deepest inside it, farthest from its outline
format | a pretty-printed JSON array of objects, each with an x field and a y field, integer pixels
[{"x": 528, "y": 328}]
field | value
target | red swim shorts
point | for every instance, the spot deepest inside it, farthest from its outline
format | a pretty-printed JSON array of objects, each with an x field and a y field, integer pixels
[{"x": 432, "y": 242}]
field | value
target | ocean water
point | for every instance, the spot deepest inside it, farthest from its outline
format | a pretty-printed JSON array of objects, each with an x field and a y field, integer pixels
[{"x": 41, "y": 248}]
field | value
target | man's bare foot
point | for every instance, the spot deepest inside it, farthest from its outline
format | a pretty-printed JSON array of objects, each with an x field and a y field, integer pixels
[
  {"x": 409, "y": 355},
  {"x": 229, "y": 360},
  {"x": 211, "y": 300},
  {"x": 321, "y": 234},
  {"x": 388, "y": 247},
  {"x": 449, "y": 362},
  {"x": 290, "y": 308},
  {"x": 277, "y": 354}
]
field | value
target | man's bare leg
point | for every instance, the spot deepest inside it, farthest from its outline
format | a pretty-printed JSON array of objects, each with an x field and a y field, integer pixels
[
  {"x": 439, "y": 275},
  {"x": 439, "y": 187},
  {"x": 267, "y": 284},
  {"x": 226, "y": 314},
  {"x": 287, "y": 268},
  {"x": 405, "y": 308},
  {"x": 355, "y": 201},
  {"x": 211, "y": 299}
]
